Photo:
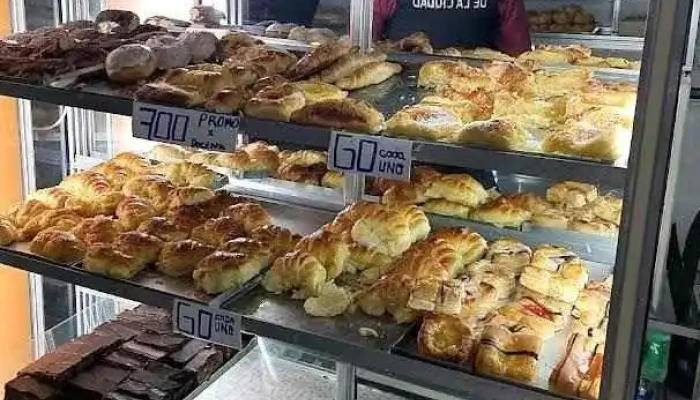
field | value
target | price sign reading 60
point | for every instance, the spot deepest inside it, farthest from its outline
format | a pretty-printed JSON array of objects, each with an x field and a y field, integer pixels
[
  {"x": 370, "y": 155},
  {"x": 206, "y": 323}
]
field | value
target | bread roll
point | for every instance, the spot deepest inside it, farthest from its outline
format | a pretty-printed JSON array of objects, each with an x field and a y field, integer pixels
[
  {"x": 296, "y": 271},
  {"x": 163, "y": 229},
  {"x": 201, "y": 44},
  {"x": 99, "y": 229},
  {"x": 133, "y": 211},
  {"x": 130, "y": 63},
  {"x": 106, "y": 259},
  {"x": 116, "y": 21},
  {"x": 250, "y": 215},
  {"x": 59, "y": 246},
  {"x": 169, "y": 52},
  {"x": 368, "y": 75},
  {"x": 180, "y": 258},
  {"x": 218, "y": 231},
  {"x": 141, "y": 246}
]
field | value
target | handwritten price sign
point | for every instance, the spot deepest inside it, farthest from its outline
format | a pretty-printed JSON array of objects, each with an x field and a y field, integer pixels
[{"x": 377, "y": 156}]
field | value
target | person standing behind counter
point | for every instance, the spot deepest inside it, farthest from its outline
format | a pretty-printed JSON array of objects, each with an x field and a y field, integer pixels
[{"x": 497, "y": 24}]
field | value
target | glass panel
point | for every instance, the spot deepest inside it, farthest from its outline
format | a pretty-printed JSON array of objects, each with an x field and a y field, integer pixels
[{"x": 329, "y": 14}]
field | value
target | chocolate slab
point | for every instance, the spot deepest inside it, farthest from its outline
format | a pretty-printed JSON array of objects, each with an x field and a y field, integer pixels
[
  {"x": 124, "y": 360},
  {"x": 143, "y": 351},
  {"x": 123, "y": 331},
  {"x": 169, "y": 342},
  {"x": 54, "y": 367},
  {"x": 26, "y": 387},
  {"x": 205, "y": 363},
  {"x": 119, "y": 396},
  {"x": 95, "y": 382},
  {"x": 188, "y": 351}
]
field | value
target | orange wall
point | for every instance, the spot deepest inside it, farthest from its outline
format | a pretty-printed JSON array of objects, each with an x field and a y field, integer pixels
[{"x": 15, "y": 331}]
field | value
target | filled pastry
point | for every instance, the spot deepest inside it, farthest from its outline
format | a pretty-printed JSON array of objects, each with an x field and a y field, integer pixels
[
  {"x": 447, "y": 338},
  {"x": 424, "y": 121},
  {"x": 351, "y": 114},
  {"x": 368, "y": 75},
  {"x": 501, "y": 213},
  {"x": 508, "y": 354}
]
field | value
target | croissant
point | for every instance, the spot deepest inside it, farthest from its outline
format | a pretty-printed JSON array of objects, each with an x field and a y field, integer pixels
[
  {"x": 187, "y": 217},
  {"x": 295, "y": 271},
  {"x": 217, "y": 231},
  {"x": 105, "y": 259},
  {"x": 141, "y": 246},
  {"x": 180, "y": 258},
  {"x": 23, "y": 212},
  {"x": 59, "y": 246},
  {"x": 222, "y": 270},
  {"x": 163, "y": 229},
  {"x": 133, "y": 211},
  {"x": 98, "y": 229},
  {"x": 190, "y": 195},
  {"x": 59, "y": 219},
  {"x": 328, "y": 250},
  {"x": 250, "y": 215},
  {"x": 8, "y": 232},
  {"x": 279, "y": 240},
  {"x": 385, "y": 230},
  {"x": 154, "y": 188}
]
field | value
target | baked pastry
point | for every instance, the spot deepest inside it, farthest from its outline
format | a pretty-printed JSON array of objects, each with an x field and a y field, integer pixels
[
  {"x": 130, "y": 63},
  {"x": 154, "y": 188},
  {"x": 579, "y": 371},
  {"x": 133, "y": 211},
  {"x": 507, "y": 354},
  {"x": 368, "y": 75},
  {"x": 485, "y": 53},
  {"x": 583, "y": 139},
  {"x": 187, "y": 217},
  {"x": 218, "y": 231},
  {"x": 163, "y": 229},
  {"x": 465, "y": 109},
  {"x": 570, "y": 194},
  {"x": 424, "y": 121},
  {"x": 169, "y": 52},
  {"x": 561, "y": 82},
  {"x": 457, "y": 188},
  {"x": 315, "y": 91},
  {"x": 165, "y": 93},
  {"x": 104, "y": 204},
  {"x": 348, "y": 64},
  {"x": 447, "y": 337},
  {"x": 552, "y": 258},
  {"x": 86, "y": 184},
  {"x": 133, "y": 162},
  {"x": 296, "y": 271},
  {"x": 447, "y": 208},
  {"x": 595, "y": 226},
  {"x": 190, "y": 196},
  {"x": 269, "y": 81},
  {"x": 500, "y": 278},
  {"x": 98, "y": 229},
  {"x": 59, "y": 246},
  {"x": 222, "y": 271},
  {"x": 530, "y": 316},
  {"x": 169, "y": 152},
  {"x": 384, "y": 230},
  {"x": 222, "y": 199},
  {"x": 330, "y": 251},
  {"x": 351, "y": 114},
  {"x": 330, "y": 301},
  {"x": 265, "y": 60},
  {"x": 319, "y": 58},
  {"x": 501, "y": 213},
  {"x": 8, "y": 232},
  {"x": 551, "y": 218},
  {"x": 499, "y": 134},
  {"x": 591, "y": 308},
  {"x": 509, "y": 254},
  {"x": 179, "y": 258},
  {"x": 204, "y": 82},
  {"x": 22, "y": 213},
  {"x": 439, "y": 73},
  {"x": 142, "y": 246},
  {"x": 276, "y": 103},
  {"x": 116, "y": 21},
  {"x": 279, "y": 240},
  {"x": 232, "y": 41},
  {"x": 201, "y": 44},
  {"x": 418, "y": 223},
  {"x": 371, "y": 264},
  {"x": 205, "y": 157},
  {"x": 469, "y": 244},
  {"x": 229, "y": 100},
  {"x": 608, "y": 208},
  {"x": 564, "y": 285},
  {"x": 304, "y": 158},
  {"x": 106, "y": 259},
  {"x": 53, "y": 197},
  {"x": 333, "y": 180},
  {"x": 437, "y": 296},
  {"x": 313, "y": 35},
  {"x": 64, "y": 220},
  {"x": 528, "y": 201},
  {"x": 249, "y": 215}
]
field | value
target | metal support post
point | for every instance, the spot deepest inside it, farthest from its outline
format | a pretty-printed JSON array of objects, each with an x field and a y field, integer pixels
[
  {"x": 361, "y": 23},
  {"x": 346, "y": 383}
]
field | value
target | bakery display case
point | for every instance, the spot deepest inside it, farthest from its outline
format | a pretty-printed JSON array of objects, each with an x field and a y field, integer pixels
[{"x": 507, "y": 217}]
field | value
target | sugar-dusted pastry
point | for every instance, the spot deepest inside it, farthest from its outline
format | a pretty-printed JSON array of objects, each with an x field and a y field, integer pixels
[
  {"x": 571, "y": 194},
  {"x": 368, "y": 75},
  {"x": 501, "y": 213},
  {"x": 319, "y": 58},
  {"x": 106, "y": 259},
  {"x": 386, "y": 231},
  {"x": 179, "y": 258},
  {"x": 350, "y": 63},
  {"x": 579, "y": 371},
  {"x": 447, "y": 208},
  {"x": 331, "y": 300},
  {"x": 329, "y": 250},
  {"x": 98, "y": 229},
  {"x": 440, "y": 73},
  {"x": 279, "y": 240},
  {"x": 133, "y": 211},
  {"x": 351, "y": 114},
  {"x": 169, "y": 152},
  {"x": 59, "y": 246},
  {"x": 163, "y": 229},
  {"x": 296, "y": 271},
  {"x": 217, "y": 231},
  {"x": 583, "y": 139},
  {"x": 469, "y": 244},
  {"x": 250, "y": 215},
  {"x": 512, "y": 77},
  {"x": 425, "y": 121},
  {"x": 64, "y": 220},
  {"x": 142, "y": 246},
  {"x": 130, "y": 63},
  {"x": 221, "y": 270},
  {"x": 276, "y": 103},
  {"x": 595, "y": 226},
  {"x": 557, "y": 82},
  {"x": 190, "y": 195},
  {"x": 8, "y": 232},
  {"x": 551, "y": 218},
  {"x": 510, "y": 254},
  {"x": 499, "y": 134},
  {"x": 448, "y": 338},
  {"x": 508, "y": 354},
  {"x": 457, "y": 188},
  {"x": 315, "y": 91},
  {"x": 465, "y": 109}
]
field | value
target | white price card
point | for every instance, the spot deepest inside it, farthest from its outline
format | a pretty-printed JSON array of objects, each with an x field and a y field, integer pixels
[
  {"x": 195, "y": 128},
  {"x": 377, "y": 156},
  {"x": 206, "y": 323}
]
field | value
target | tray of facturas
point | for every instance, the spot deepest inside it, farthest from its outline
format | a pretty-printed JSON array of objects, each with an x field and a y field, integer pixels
[{"x": 157, "y": 226}]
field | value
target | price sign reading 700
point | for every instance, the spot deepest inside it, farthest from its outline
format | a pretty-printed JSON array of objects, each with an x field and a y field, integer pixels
[{"x": 370, "y": 155}]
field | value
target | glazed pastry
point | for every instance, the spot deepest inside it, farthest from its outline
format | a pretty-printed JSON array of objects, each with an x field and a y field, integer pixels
[
  {"x": 221, "y": 271},
  {"x": 64, "y": 220},
  {"x": 98, "y": 229},
  {"x": 169, "y": 152},
  {"x": 279, "y": 240},
  {"x": 352, "y": 114},
  {"x": 418, "y": 223},
  {"x": 180, "y": 258},
  {"x": 163, "y": 229},
  {"x": 508, "y": 354},
  {"x": 249, "y": 215},
  {"x": 570, "y": 194},
  {"x": 318, "y": 59},
  {"x": 106, "y": 259},
  {"x": 87, "y": 184},
  {"x": 319, "y": 91},
  {"x": 142, "y": 246},
  {"x": 218, "y": 231},
  {"x": 499, "y": 134},
  {"x": 22, "y": 213},
  {"x": 384, "y": 230},
  {"x": 583, "y": 139},
  {"x": 469, "y": 244},
  {"x": 8, "y": 232},
  {"x": 186, "y": 218},
  {"x": 499, "y": 212},
  {"x": 458, "y": 188},
  {"x": 424, "y": 121},
  {"x": 222, "y": 199},
  {"x": 186, "y": 173},
  {"x": 348, "y": 64},
  {"x": 165, "y": 93},
  {"x": 330, "y": 251},
  {"x": 447, "y": 338},
  {"x": 190, "y": 195},
  {"x": 59, "y": 246},
  {"x": 133, "y": 211},
  {"x": 447, "y": 208},
  {"x": 276, "y": 103},
  {"x": 368, "y": 75},
  {"x": 54, "y": 197},
  {"x": 154, "y": 188},
  {"x": 296, "y": 271}
]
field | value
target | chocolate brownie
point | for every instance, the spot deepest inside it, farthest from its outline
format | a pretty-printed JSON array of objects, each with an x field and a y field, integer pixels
[
  {"x": 26, "y": 387},
  {"x": 188, "y": 351},
  {"x": 95, "y": 382}
]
